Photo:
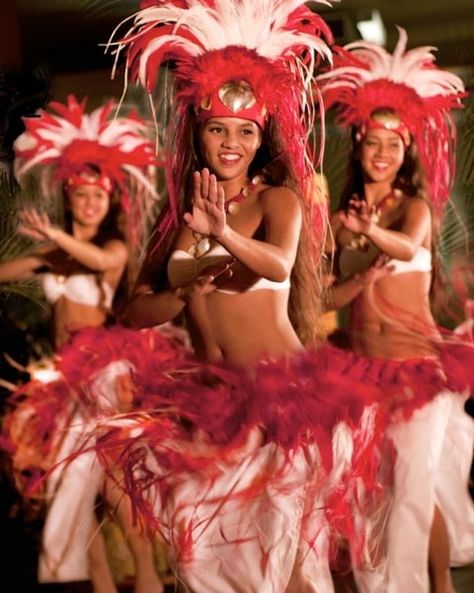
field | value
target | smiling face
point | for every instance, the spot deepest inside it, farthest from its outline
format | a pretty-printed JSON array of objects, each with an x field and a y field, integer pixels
[
  {"x": 381, "y": 155},
  {"x": 89, "y": 205},
  {"x": 228, "y": 146}
]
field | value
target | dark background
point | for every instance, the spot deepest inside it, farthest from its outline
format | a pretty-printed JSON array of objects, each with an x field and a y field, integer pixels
[{"x": 65, "y": 35}]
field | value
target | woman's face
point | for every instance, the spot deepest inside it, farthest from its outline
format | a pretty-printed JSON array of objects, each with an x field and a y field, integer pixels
[
  {"x": 228, "y": 145},
  {"x": 381, "y": 155},
  {"x": 89, "y": 205}
]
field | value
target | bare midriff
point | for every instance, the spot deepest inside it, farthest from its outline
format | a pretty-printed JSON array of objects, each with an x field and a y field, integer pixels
[
  {"x": 244, "y": 328},
  {"x": 393, "y": 318},
  {"x": 70, "y": 317}
]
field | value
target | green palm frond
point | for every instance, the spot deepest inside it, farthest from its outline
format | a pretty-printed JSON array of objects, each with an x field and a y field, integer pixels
[
  {"x": 457, "y": 231},
  {"x": 465, "y": 153},
  {"x": 13, "y": 245},
  {"x": 457, "y": 228}
]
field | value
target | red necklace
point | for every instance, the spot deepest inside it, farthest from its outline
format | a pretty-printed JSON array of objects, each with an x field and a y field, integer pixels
[
  {"x": 232, "y": 205},
  {"x": 386, "y": 202}
]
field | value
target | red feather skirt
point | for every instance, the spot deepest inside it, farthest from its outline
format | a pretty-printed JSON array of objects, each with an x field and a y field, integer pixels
[{"x": 310, "y": 428}]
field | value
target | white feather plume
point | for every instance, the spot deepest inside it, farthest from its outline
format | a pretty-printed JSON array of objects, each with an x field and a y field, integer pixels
[{"x": 255, "y": 25}]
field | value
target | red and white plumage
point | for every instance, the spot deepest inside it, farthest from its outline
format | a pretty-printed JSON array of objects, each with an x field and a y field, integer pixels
[
  {"x": 71, "y": 138},
  {"x": 66, "y": 140},
  {"x": 272, "y": 45},
  {"x": 366, "y": 77},
  {"x": 164, "y": 30}
]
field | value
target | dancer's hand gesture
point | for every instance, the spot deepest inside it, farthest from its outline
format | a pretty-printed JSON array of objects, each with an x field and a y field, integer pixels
[
  {"x": 36, "y": 225},
  {"x": 358, "y": 218},
  {"x": 208, "y": 216}
]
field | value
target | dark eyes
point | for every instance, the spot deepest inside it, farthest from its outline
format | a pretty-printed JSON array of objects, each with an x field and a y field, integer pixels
[
  {"x": 372, "y": 143},
  {"x": 219, "y": 130}
]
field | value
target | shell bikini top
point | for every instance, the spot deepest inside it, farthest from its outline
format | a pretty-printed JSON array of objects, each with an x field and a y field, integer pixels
[
  {"x": 183, "y": 268},
  {"x": 79, "y": 288},
  {"x": 355, "y": 261}
]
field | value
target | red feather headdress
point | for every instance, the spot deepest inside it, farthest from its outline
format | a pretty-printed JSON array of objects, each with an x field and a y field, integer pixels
[
  {"x": 70, "y": 141},
  {"x": 366, "y": 78},
  {"x": 270, "y": 47}
]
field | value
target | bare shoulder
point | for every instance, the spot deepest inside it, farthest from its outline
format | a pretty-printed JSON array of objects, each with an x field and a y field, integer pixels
[
  {"x": 116, "y": 245},
  {"x": 416, "y": 206},
  {"x": 118, "y": 250},
  {"x": 279, "y": 198}
]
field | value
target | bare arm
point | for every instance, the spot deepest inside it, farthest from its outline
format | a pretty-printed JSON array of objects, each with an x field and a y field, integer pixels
[
  {"x": 272, "y": 258},
  {"x": 148, "y": 308},
  {"x": 342, "y": 294},
  {"x": 401, "y": 244},
  {"x": 20, "y": 268},
  {"x": 112, "y": 255}
]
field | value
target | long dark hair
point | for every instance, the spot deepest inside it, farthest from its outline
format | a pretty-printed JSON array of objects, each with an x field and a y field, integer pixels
[
  {"x": 411, "y": 180},
  {"x": 112, "y": 227},
  {"x": 273, "y": 165}
]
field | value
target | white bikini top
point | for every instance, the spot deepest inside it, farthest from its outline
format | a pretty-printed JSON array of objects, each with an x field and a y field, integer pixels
[
  {"x": 79, "y": 288},
  {"x": 420, "y": 262},
  {"x": 183, "y": 268},
  {"x": 354, "y": 261}
]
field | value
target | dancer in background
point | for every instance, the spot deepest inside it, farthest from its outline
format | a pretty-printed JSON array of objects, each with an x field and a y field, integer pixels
[
  {"x": 399, "y": 109},
  {"x": 80, "y": 267}
]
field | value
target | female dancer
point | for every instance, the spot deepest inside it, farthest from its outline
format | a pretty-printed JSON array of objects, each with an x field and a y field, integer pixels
[
  {"x": 231, "y": 456},
  {"x": 80, "y": 268},
  {"x": 385, "y": 233}
]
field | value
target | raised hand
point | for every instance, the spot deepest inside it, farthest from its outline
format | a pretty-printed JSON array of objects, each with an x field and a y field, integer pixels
[
  {"x": 358, "y": 217},
  {"x": 208, "y": 216},
  {"x": 35, "y": 224},
  {"x": 378, "y": 270}
]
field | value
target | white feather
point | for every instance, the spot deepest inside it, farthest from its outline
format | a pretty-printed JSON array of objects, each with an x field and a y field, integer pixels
[
  {"x": 403, "y": 67},
  {"x": 255, "y": 25}
]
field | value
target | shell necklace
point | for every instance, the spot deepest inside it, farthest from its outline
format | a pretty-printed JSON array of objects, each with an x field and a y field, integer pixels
[{"x": 202, "y": 243}]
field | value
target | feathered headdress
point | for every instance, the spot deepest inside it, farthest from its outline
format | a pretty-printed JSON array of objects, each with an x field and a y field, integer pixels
[
  {"x": 75, "y": 143},
  {"x": 252, "y": 59},
  {"x": 366, "y": 80}
]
